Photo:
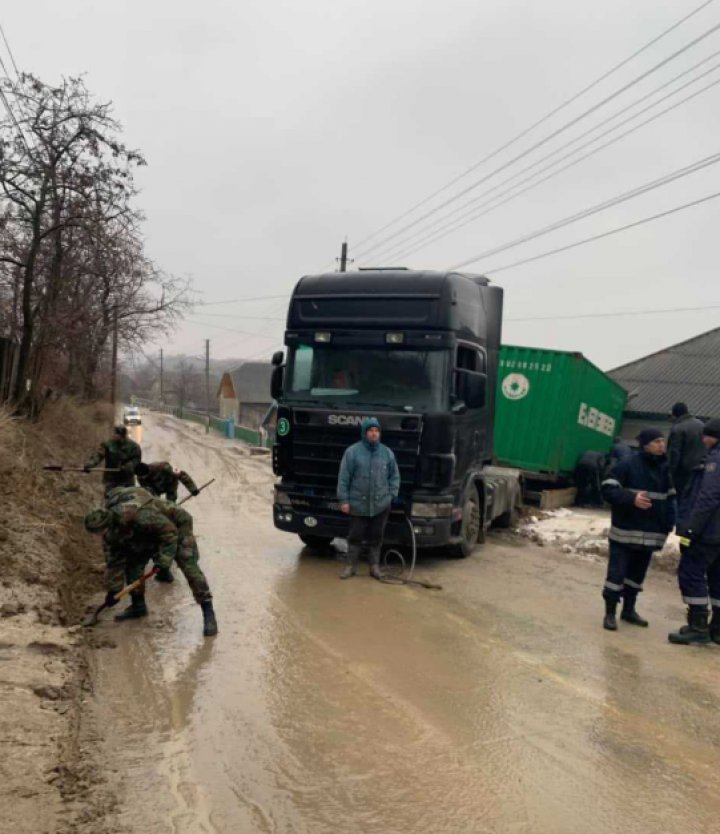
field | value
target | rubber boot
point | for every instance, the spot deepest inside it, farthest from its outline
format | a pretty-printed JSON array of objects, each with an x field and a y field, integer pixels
[
  {"x": 630, "y": 615},
  {"x": 351, "y": 565},
  {"x": 374, "y": 560},
  {"x": 697, "y": 630},
  {"x": 135, "y": 610},
  {"x": 609, "y": 621},
  {"x": 210, "y": 626},
  {"x": 164, "y": 575}
]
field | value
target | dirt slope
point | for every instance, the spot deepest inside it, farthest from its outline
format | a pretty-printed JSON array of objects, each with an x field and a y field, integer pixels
[{"x": 48, "y": 569}]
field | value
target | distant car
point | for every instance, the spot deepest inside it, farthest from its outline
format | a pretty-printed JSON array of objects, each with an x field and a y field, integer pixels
[{"x": 131, "y": 416}]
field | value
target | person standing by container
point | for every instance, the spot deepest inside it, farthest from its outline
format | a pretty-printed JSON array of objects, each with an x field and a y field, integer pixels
[
  {"x": 640, "y": 492},
  {"x": 685, "y": 446},
  {"x": 368, "y": 481},
  {"x": 699, "y": 529}
]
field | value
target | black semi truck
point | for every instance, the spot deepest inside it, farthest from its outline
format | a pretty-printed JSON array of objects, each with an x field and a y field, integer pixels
[{"x": 417, "y": 350}]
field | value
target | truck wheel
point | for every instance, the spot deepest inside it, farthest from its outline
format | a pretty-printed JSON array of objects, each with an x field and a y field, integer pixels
[
  {"x": 314, "y": 542},
  {"x": 471, "y": 526}
]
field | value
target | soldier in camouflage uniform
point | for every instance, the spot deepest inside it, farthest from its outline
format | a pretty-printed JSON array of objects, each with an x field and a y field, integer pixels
[
  {"x": 161, "y": 479},
  {"x": 137, "y": 497},
  {"x": 117, "y": 453},
  {"x": 158, "y": 530}
]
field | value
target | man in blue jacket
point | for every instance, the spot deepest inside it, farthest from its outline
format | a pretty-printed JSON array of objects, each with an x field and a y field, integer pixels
[
  {"x": 369, "y": 479},
  {"x": 699, "y": 529},
  {"x": 642, "y": 498}
]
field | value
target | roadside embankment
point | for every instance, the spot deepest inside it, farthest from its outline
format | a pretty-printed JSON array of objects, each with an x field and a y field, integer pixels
[{"x": 49, "y": 567}]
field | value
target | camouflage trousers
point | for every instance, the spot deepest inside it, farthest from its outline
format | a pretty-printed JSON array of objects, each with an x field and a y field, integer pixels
[{"x": 132, "y": 567}]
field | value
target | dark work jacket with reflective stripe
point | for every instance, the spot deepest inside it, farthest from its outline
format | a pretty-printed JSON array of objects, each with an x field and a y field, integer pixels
[
  {"x": 699, "y": 509},
  {"x": 629, "y": 525}
]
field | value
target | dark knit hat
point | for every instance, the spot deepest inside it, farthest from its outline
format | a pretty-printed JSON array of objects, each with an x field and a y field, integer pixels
[
  {"x": 712, "y": 428},
  {"x": 647, "y": 436},
  {"x": 679, "y": 409}
]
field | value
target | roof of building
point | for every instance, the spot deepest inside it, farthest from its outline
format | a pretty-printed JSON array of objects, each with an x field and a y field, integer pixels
[
  {"x": 688, "y": 372},
  {"x": 251, "y": 382}
]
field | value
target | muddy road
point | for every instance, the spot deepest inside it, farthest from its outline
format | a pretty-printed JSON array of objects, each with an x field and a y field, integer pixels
[{"x": 496, "y": 705}]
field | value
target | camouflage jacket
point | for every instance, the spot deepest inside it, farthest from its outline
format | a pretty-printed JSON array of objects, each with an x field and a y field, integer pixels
[
  {"x": 162, "y": 479},
  {"x": 140, "y": 533},
  {"x": 117, "y": 454}
]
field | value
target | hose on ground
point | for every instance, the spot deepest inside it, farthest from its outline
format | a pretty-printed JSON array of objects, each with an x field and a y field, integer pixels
[{"x": 395, "y": 575}]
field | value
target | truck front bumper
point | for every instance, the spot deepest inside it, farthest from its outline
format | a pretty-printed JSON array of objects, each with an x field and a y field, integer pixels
[{"x": 434, "y": 532}]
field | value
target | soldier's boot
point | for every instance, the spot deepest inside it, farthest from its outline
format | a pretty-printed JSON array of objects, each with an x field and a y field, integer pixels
[
  {"x": 374, "y": 559},
  {"x": 164, "y": 575},
  {"x": 135, "y": 610},
  {"x": 696, "y": 631},
  {"x": 609, "y": 621},
  {"x": 715, "y": 625},
  {"x": 630, "y": 615},
  {"x": 210, "y": 626}
]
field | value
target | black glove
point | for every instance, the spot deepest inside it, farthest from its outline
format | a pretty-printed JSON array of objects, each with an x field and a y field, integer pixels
[
  {"x": 110, "y": 599},
  {"x": 195, "y": 492},
  {"x": 87, "y": 467}
]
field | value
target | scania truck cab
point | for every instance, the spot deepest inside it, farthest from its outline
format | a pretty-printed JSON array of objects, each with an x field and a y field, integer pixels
[{"x": 417, "y": 350}]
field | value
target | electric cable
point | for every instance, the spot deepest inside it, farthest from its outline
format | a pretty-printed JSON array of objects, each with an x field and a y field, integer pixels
[
  {"x": 547, "y": 138},
  {"x": 436, "y": 230},
  {"x": 541, "y": 121},
  {"x": 593, "y": 238},
  {"x": 603, "y": 206},
  {"x": 393, "y": 576},
  {"x": 617, "y": 313}
]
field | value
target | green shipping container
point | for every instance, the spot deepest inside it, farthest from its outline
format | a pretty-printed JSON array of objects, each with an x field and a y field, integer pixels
[{"x": 552, "y": 406}]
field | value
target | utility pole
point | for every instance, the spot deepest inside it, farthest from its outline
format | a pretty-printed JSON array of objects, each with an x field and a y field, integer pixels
[
  {"x": 343, "y": 257},
  {"x": 207, "y": 385},
  {"x": 162, "y": 383},
  {"x": 113, "y": 369}
]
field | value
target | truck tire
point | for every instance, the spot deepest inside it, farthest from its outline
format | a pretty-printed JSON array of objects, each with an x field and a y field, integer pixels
[
  {"x": 471, "y": 526},
  {"x": 314, "y": 542}
]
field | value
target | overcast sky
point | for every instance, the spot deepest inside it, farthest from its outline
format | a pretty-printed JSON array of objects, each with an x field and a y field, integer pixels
[{"x": 275, "y": 129}]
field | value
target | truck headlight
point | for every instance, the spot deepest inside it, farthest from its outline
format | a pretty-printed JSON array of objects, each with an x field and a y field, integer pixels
[{"x": 432, "y": 510}]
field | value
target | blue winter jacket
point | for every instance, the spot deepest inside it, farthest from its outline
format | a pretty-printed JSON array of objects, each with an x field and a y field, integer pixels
[
  {"x": 369, "y": 477},
  {"x": 642, "y": 472},
  {"x": 699, "y": 516}
]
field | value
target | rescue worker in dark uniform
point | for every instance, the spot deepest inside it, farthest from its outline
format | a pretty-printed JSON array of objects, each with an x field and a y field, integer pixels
[
  {"x": 117, "y": 453},
  {"x": 699, "y": 529},
  {"x": 161, "y": 479},
  {"x": 685, "y": 446},
  {"x": 589, "y": 472},
  {"x": 642, "y": 498},
  {"x": 159, "y": 531}
]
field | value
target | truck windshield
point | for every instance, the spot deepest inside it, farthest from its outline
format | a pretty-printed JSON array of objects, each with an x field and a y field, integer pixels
[{"x": 411, "y": 379}]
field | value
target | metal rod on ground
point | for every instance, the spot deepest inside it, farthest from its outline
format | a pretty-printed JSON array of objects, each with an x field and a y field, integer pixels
[{"x": 207, "y": 385}]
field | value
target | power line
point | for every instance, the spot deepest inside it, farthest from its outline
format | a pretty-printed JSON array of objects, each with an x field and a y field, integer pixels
[
  {"x": 249, "y": 318},
  {"x": 238, "y": 300},
  {"x": 259, "y": 335},
  {"x": 598, "y": 207},
  {"x": 541, "y": 121},
  {"x": 549, "y": 136},
  {"x": 439, "y": 228},
  {"x": 615, "y": 231},
  {"x": 618, "y": 313},
  {"x": 9, "y": 51}
]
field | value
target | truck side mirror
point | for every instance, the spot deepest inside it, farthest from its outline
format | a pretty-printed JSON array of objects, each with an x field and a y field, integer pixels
[
  {"x": 276, "y": 381},
  {"x": 472, "y": 388},
  {"x": 277, "y": 358}
]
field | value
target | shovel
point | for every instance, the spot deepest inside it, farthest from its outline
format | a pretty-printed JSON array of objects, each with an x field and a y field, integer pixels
[
  {"x": 56, "y": 467},
  {"x": 92, "y": 620},
  {"x": 200, "y": 489}
]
